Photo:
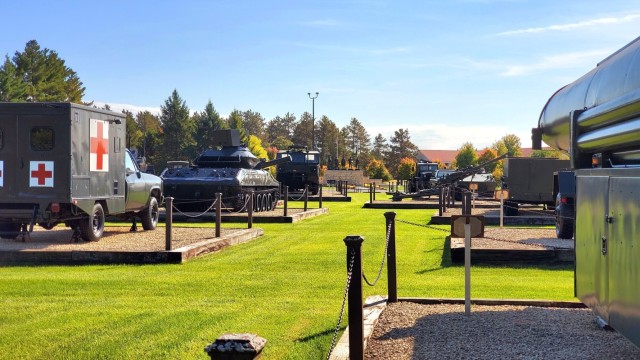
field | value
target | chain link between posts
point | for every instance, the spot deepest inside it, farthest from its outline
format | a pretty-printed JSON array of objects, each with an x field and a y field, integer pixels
[
  {"x": 384, "y": 257},
  {"x": 301, "y": 196},
  {"x": 344, "y": 302},
  {"x": 194, "y": 216}
]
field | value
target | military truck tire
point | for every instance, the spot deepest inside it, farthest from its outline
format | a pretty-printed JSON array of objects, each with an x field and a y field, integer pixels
[
  {"x": 150, "y": 215},
  {"x": 92, "y": 227},
  {"x": 9, "y": 230}
]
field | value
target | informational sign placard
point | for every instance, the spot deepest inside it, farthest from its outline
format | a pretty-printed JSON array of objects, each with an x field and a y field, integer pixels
[
  {"x": 458, "y": 222},
  {"x": 473, "y": 186},
  {"x": 501, "y": 194}
]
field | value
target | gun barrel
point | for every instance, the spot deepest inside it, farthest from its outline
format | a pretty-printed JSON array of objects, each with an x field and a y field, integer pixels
[{"x": 266, "y": 164}]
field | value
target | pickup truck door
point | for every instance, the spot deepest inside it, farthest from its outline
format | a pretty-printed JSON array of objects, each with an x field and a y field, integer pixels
[{"x": 136, "y": 193}]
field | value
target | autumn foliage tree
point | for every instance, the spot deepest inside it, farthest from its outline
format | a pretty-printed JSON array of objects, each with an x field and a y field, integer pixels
[
  {"x": 406, "y": 168},
  {"x": 375, "y": 169}
]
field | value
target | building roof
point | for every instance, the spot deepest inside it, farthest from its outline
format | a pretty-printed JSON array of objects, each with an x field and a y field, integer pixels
[{"x": 448, "y": 156}]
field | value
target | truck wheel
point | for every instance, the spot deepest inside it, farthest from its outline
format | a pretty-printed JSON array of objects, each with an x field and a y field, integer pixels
[
  {"x": 150, "y": 215},
  {"x": 564, "y": 224},
  {"x": 93, "y": 226},
  {"x": 9, "y": 230},
  {"x": 510, "y": 208}
]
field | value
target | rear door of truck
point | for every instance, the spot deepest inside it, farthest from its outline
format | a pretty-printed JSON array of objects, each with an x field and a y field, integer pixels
[{"x": 34, "y": 156}]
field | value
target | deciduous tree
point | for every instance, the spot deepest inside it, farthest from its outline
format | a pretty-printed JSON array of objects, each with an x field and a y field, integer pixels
[{"x": 467, "y": 156}]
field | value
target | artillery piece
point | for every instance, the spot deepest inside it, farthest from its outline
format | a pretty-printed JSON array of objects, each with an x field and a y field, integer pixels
[
  {"x": 447, "y": 180},
  {"x": 232, "y": 170}
]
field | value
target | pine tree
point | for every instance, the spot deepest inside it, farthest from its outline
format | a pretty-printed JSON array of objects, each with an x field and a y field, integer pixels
[
  {"x": 44, "y": 77},
  {"x": 235, "y": 122},
  {"x": 400, "y": 147},
  {"x": 11, "y": 86},
  {"x": 206, "y": 123},
  {"x": 178, "y": 130}
]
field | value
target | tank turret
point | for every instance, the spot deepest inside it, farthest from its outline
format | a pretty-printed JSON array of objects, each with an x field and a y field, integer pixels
[{"x": 231, "y": 170}]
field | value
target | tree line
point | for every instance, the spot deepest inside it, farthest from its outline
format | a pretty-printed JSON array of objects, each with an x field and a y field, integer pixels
[{"x": 177, "y": 133}]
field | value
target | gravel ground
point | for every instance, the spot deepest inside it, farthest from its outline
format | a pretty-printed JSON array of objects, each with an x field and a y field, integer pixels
[
  {"x": 520, "y": 238},
  {"x": 414, "y": 331},
  {"x": 114, "y": 239}
]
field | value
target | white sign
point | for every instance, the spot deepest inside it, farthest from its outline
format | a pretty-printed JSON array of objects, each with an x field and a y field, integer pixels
[
  {"x": 99, "y": 145},
  {"x": 41, "y": 174}
]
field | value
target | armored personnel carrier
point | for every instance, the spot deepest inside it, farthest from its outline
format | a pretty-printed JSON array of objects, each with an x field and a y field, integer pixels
[{"x": 232, "y": 170}]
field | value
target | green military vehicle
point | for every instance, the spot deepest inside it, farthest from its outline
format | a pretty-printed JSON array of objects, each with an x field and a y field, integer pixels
[{"x": 62, "y": 163}]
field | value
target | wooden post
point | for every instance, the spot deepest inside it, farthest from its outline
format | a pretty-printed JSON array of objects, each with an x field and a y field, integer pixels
[
  {"x": 320, "y": 196},
  {"x": 306, "y": 197},
  {"x": 218, "y": 213},
  {"x": 356, "y": 321},
  {"x": 441, "y": 201},
  {"x": 168, "y": 221},
  {"x": 370, "y": 194}
]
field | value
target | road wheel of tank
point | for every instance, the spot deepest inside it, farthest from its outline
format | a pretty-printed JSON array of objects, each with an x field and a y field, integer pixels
[
  {"x": 257, "y": 203},
  {"x": 92, "y": 227},
  {"x": 564, "y": 223},
  {"x": 9, "y": 230},
  {"x": 273, "y": 200},
  {"x": 150, "y": 215},
  {"x": 510, "y": 208}
]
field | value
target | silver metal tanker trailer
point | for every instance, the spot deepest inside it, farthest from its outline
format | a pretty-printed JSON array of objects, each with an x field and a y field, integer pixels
[{"x": 597, "y": 120}]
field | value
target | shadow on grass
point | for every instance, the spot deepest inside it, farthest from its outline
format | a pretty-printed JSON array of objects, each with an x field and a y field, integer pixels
[
  {"x": 319, "y": 334},
  {"x": 445, "y": 258}
]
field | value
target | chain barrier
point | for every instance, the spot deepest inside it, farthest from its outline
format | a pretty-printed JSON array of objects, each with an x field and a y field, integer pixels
[
  {"x": 423, "y": 225},
  {"x": 194, "y": 216},
  {"x": 344, "y": 302},
  {"x": 242, "y": 209},
  {"x": 384, "y": 257},
  {"x": 301, "y": 196}
]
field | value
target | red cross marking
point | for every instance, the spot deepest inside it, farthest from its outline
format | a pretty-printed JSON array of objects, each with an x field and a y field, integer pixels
[
  {"x": 41, "y": 174},
  {"x": 99, "y": 145}
]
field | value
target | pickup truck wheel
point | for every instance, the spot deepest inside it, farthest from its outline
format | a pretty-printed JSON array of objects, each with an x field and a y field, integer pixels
[
  {"x": 564, "y": 224},
  {"x": 150, "y": 215},
  {"x": 93, "y": 226}
]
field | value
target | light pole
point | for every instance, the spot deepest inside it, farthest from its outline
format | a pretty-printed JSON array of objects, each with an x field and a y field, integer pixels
[{"x": 313, "y": 119}]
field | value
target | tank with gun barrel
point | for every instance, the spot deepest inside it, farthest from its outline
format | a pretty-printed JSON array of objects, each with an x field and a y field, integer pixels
[{"x": 232, "y": 170}]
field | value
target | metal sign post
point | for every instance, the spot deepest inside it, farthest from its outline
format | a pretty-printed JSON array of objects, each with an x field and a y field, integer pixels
[
  {"x": 467, "y": 226},
  {"x": 501, "y": 195},
  {"x": 467, "y": 268},
  {"x": 473, "y": 187}
]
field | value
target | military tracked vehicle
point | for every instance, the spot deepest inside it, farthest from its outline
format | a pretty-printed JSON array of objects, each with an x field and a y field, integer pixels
[{"x": 232, "y": 170}]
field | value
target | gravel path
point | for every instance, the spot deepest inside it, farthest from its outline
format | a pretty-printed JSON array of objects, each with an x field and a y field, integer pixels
[{"x": 414, "y": 331}]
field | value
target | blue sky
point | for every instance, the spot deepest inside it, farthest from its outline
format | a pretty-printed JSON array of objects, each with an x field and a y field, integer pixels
[{"x": 449, "y": 71}]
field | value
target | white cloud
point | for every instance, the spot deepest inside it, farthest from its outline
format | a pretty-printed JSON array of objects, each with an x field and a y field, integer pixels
[
  {"x": 451, "y": 137},
  {"x": 573, "y": 26},
  {"x": 155, "y": 110},
  {"x": 561, "y": 61}
]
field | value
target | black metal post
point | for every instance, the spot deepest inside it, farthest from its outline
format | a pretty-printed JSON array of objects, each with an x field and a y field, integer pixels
[
  {"x": 306, "y": 197},
  {"x": 286, "y": 200},
  {"x": 374, "y": 191},
  {"x": 250, "y": 210},
  {"x": 346, "y": 186},
  {"x": 218, "y": 213},
  {"x": 441, "y": 202},
  {"x": 168, "y": 221},
  {"x": 466, "y": 205},
  {"x": 370, "y": 194},
  {"x": 320, "y": 196},
  {"x": 391, "y": 257},
  {"x": 356, "y": 321}
]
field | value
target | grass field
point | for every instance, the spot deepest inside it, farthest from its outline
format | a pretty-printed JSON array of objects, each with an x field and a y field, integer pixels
[{"x": 286, "y": 286}]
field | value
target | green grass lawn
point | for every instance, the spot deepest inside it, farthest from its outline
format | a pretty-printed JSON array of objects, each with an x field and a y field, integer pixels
[{"x": 286, "y": 286}]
